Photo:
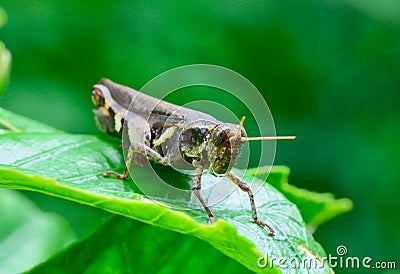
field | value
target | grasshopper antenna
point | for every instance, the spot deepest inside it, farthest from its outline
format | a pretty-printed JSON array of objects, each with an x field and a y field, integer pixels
[
  {"x": 268, "y": 138},
  {"x": 239, "y": 132},
  {"x": 262, "y": 138}
]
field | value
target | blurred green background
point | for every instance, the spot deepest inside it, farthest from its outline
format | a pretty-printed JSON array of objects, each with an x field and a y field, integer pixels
[{"x": 329, "y": 71}]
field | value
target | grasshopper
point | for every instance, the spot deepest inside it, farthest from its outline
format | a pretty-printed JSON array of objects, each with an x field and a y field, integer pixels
[{"x": 173, "y": 136}]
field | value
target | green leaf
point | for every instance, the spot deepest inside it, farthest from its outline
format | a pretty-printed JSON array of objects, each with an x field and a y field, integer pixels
[
  {"x": 110, "y": 248},
  {"x": 315, "y": 208},
  {"x": 70, "y": 167},
  {"x": 28, "y": 235}
]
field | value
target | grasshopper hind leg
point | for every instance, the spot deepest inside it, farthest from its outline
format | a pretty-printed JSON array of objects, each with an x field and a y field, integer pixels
[
  {"x": 139, "y": 149},
  {"x": 244, "y": 187},
  {"x": 117, "y": 175}
]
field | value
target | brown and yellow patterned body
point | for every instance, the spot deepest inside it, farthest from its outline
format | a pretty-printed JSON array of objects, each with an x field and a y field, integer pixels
[{"x": 171, "y": 135}]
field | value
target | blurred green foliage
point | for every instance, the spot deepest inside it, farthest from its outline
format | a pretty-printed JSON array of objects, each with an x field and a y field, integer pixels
[
  {"x": 5, "y": 56},
  {"x": 328, "y": 70},
  {"x": 19, "y": 218}
]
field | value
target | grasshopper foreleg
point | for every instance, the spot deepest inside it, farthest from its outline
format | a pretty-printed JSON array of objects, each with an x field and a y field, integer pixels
[
  {"x": 243, "y": 186},
  {"x": 196, "y": 186},
  {"x": 137, "y": 148}
]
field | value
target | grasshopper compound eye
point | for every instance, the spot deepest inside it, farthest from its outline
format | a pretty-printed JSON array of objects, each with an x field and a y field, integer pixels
[{"x": 98, "y": 97}]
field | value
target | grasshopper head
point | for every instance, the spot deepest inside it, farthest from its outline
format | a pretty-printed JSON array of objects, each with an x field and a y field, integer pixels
[{"x": 226, "y": 142}]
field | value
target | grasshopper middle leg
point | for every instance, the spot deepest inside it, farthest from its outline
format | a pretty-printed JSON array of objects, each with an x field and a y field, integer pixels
[
  {"x": 137, "y": 148},
  {"x": 243, "y": 186}
]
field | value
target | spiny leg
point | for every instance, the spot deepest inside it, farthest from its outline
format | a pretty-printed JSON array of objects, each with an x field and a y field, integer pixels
[
  {"x": 196, "y": 186},
  {"x": 137, "y": 148},
  {"x": 243, "y": 186}
]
